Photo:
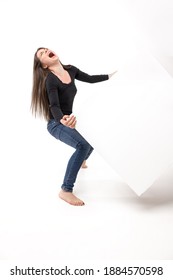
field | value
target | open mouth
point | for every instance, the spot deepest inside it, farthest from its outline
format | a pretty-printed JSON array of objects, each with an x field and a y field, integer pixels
[{"x": 51, "y": 54}]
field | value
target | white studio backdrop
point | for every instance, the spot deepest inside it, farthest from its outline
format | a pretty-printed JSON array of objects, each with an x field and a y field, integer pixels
[{"x": 128, "y": 118}]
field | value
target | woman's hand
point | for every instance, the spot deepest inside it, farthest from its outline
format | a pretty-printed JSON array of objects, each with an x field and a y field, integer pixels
[
  {"x": 110, "y": 75},
  {"x": 69, "y": 120}
]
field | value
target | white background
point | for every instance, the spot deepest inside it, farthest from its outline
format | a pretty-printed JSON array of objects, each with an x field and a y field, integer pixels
[{"x": 133, "y": 37}]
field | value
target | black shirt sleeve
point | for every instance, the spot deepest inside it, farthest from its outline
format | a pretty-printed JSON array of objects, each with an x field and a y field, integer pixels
[
  {"x": 54, "y": 104},
  {"x": 84, "y": 77}
]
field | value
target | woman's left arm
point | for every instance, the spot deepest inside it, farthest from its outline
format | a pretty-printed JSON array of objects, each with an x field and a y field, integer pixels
[{"x": 84, "y": 77}]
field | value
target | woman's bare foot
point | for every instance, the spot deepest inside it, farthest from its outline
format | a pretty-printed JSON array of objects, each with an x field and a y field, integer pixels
[
  {"x": 70, "y": 198},
  {"x": 84, "y": 164}
]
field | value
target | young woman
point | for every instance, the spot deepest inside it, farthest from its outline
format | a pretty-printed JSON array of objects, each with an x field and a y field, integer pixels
[{"x": 52, "y": 97}]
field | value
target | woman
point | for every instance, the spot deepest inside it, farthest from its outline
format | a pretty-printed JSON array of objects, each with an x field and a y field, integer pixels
[{"x": 52, "y": 97}]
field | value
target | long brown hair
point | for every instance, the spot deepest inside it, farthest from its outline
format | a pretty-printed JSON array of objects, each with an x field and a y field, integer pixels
[{"x": 39, "y": 99}]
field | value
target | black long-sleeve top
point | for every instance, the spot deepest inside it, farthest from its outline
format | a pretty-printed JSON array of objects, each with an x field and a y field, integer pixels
[{"x": 61, "y": 95}]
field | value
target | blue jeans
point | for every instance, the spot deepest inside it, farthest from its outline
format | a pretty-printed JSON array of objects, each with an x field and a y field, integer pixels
[{"x": 82, "y": 148}]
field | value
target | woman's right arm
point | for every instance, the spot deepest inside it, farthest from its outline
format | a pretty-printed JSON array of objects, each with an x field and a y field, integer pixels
[{"x": 54, "y": 104}]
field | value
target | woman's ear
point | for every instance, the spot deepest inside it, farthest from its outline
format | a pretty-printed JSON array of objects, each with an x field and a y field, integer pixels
[{"x": 44, "y": 66}]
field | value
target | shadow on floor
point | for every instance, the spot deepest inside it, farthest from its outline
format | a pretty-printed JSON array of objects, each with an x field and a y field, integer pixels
[{"x": 160, "y": 194}]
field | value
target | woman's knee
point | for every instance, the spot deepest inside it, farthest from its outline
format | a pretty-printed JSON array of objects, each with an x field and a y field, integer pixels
[{"x": 84, "y": 145}]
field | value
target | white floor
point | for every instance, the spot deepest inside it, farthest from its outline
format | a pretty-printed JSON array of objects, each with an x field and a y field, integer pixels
[{"x": 114, "y": 224}]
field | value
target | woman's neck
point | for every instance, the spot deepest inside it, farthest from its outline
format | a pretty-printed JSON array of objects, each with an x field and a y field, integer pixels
[{"x": 57, "y": 69}]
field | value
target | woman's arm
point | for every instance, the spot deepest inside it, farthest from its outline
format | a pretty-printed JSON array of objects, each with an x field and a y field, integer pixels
[
  {"x": 67, "y": 120},
  {"x": 53, "y": 97},
  {"x": 54, "y": 104},
  {"x": 84, "y": 77}
]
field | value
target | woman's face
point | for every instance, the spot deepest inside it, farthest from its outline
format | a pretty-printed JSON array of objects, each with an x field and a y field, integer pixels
[{"x": 47, "y": 57}]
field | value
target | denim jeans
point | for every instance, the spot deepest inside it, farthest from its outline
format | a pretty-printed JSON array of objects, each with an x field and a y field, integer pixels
[{"x": 82, "y": 148}]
